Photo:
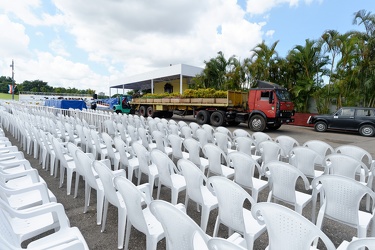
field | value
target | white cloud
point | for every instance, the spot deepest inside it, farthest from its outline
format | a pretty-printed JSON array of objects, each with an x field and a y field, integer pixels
[
  {"x": 124, "y": 38},
  {"x": 257, "y": 7}
]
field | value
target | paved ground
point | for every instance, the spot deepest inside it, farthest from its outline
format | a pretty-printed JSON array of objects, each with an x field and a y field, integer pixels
[{"x": 108, "y": 240}]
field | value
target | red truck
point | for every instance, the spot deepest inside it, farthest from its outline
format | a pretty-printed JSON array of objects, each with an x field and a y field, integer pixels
[{"x": 267, "y": 106}]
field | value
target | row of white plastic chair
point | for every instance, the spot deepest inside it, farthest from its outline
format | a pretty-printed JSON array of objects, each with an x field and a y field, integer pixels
[{"x": 28, "y": 208}]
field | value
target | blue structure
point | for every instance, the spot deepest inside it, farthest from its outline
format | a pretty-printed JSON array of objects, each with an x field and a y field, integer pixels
[{"x": 66, "y": 104}]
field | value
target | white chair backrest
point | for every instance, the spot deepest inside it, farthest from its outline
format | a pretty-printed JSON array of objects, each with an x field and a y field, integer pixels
[
  {"x": 299, "y": 232},
  {"x": 181, "y": 235},
  {"x": 231, "y": 198},
  {"x": 244, "y": 166}
]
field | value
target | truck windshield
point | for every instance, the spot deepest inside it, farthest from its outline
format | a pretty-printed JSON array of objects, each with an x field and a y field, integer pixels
[{"x": 283, "y": 95}]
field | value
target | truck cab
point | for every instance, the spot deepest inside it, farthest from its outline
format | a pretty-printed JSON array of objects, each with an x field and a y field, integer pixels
[{"x": 270, "y": 106}]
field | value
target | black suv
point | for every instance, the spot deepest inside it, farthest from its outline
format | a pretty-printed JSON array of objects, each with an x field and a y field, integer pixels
[{"x": 347, "y": 119}]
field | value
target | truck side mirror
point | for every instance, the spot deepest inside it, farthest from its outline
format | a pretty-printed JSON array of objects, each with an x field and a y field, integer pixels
[{"x": 270, "y": 98}]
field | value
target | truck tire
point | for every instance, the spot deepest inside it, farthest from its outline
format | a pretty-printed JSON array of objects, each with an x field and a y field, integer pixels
[
  {"x": 142, "y": 111},
  {"x": 203, "y": 117},
  {"x": 273, "y": 126},
  {"x": 118, "y": 111},
  {"x": 150, "y": 111},
  {"x": 217, "y": 118},
  {"x": 257, "y": 123}
]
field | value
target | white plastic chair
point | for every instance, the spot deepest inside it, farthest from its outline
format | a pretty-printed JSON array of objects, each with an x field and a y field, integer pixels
[
  {"x": 345, "y": 165},
  {"x": 239, "y": 132},
  {"x": 224, "y": 130},
  {"x": 161, "y": 142},
  {"x": 357, "y": 153},
  {"x": 210, "y": 132},
  {"x": 66, "y": 162},
  {"x": 91, "y": 181},
  {"x": 146, "y": 139},
  {"x": 203, "y": 137},
  {"x": 223, "y": 244},
  {"x": 194, "y": 126},
  {"x": 112, "y": 196},
  {"x": 197, "y": 190},
  {"x": 244, "y": 166},
  {"x": 100, "y": 148},
  {"x": 130, "y": 164},
  {"x": 113, "y": 155},
  {"x": 110, "y": 128},
  {"x": 341, "y": 201},
  {"x": 145, "y": 166},
  {"x": 231, "y": 198},
  {"x": 169, "y": 175},
  {"x": 259, "y": 137},
  {"x": 138, "y": 215},
  {"x": 287, "y": 143},
  {"x": 72, "y": 137},
  {"x": 321, "y": 147},
  {"x": 30, "y": 222},
  {"x": 186, "y": 132},
  {"x": 215, "y": 155},
  {"x": 30, "y": 193},
  {"x": 176, "y": 143},
  {"x": 193, "y": 147},
  {"x": 288, "y": 229},
  {"x": 246, "y": 145},
  {"x": 223, "y": 141},
  {"x": 184, "y": 235},
  {"x": 357, "y": 244},
  {"x": 283, "y": 185},
  {"x": 269, "y": 151},
  {"x": 69, "y": 238}
]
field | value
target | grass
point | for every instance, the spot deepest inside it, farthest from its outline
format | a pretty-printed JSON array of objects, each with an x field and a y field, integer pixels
[{"x": 4, "y": 96}]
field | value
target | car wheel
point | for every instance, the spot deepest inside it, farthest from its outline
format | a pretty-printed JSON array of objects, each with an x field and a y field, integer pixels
[
  {"x": 367, "y": 130},
  {"x": 320, "y": 126},
  {"x": 257, "y": 123}
]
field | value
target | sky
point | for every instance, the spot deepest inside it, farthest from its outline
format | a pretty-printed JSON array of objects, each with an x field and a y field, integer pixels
[{"x": 87, "y": 44}]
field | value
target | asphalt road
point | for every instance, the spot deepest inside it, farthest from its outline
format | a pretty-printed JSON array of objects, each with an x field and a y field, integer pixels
[{"x": 108, "y": 239}]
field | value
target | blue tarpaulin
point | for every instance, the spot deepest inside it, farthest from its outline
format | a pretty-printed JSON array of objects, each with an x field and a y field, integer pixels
[{"x": 66, "y": 104}]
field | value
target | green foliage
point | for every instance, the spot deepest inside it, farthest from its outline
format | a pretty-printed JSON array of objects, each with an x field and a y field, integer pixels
[{"x": 346, "y": 62}]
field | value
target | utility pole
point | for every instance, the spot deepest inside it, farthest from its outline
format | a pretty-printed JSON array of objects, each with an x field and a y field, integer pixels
[{"x": 12, "y": 66}]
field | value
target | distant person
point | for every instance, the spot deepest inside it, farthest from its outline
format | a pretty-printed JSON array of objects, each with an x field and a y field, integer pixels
[
  {"x": 93, "y": 104},
  {"x": 125, "y": 103}
]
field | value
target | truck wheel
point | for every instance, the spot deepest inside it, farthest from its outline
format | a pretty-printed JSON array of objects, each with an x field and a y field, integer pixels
[
  {"x": 217, "y": 119},
  {"x": 150, "y": 111},
  {"x": 142, "y": 111},
  {"x": 320, "y": 126},
  {"x": 273, "y": 126},
  {"x": 203, "y": 117},
  {"x": 118, "y": 111},
  {"x": 257, "y": 123},
  {"x": 367, "y": 130}
]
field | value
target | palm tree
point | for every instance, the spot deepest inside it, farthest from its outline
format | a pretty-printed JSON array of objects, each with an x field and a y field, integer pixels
[
  {"x": 308, "y": 69},
  {"x": 367, "y": 55},
  {"x": 261, "y": 60}
]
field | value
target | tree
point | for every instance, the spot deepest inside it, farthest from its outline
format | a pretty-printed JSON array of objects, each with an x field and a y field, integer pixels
[
  {"x": 308, "y": 69},
  {"x": 261, "y": 61}
]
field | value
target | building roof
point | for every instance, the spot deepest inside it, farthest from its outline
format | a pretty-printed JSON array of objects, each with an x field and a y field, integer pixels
[{"x": 143, "y": 81}]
